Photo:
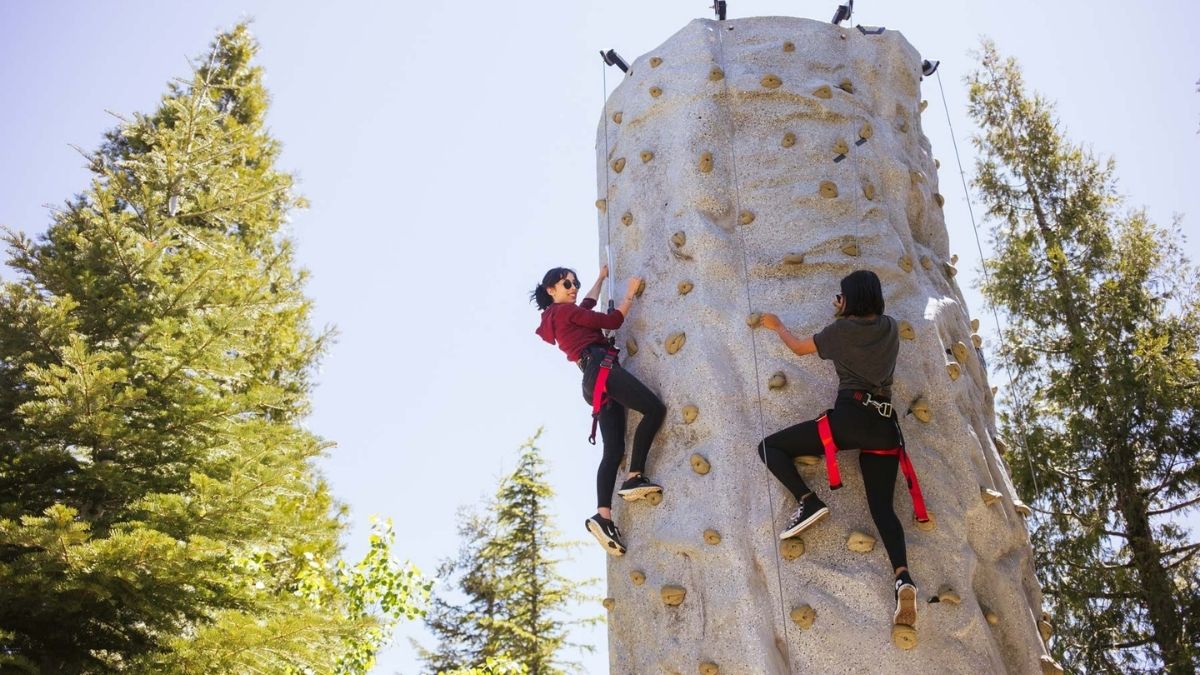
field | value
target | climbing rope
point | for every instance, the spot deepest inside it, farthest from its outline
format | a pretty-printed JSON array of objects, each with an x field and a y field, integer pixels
[
  {"x": 607, "y": 195},
  {"x": 737, "y": 199}
]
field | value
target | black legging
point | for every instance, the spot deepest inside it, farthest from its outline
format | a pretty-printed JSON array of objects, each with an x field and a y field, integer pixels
[
  {"x": 854, "y": 426},
  {"x": 624, "y": 391}
]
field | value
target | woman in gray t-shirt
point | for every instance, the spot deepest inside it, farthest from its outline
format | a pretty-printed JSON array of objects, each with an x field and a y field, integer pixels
[{"x": 863, "y": 344}]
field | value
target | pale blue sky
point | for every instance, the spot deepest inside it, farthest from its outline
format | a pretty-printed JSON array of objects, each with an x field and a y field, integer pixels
[{"x": 448, "y": 151}]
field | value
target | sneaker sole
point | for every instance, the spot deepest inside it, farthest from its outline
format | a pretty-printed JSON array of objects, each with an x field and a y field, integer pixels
[
  {"x": 635, "y": 494},
  {"x": 906, "y": 607},
  {"x": 804, "y": 524},
  {"x": 613, "y": 548}
]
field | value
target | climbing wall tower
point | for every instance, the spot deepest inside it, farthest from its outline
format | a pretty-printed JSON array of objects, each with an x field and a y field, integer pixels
[{"x": 746, "y": 166}]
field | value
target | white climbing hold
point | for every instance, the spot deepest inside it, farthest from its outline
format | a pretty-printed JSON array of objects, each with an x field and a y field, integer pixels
[{"x": 860, "y": 542}]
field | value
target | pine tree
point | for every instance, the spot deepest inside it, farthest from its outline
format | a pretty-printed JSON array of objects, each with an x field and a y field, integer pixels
[
  {"x": 1102, "y": 316},
  {"x": 507, "y": 571},
  {"x": 159, "y": 510}
]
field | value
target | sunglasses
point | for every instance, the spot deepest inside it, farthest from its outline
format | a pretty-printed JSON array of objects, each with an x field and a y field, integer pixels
[{"x": 567, "y": 284}]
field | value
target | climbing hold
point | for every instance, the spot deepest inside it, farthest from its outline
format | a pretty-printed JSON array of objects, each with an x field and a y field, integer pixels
[
  {"x": 823, "y": 91},
  {"x": 803, "y": 616},
  {"x": 927, "y": 526},
  {"x": 618, "y": 164},
  {"x": 770, "y": 81},
  {"x": 977, "y": 341},
  {"x": 840, "y": 147},
  {"x": 675, "y": 342},
  {"x": 789, "y": 139},
  {"x": 655, "y": 498},
  {"x": 906, "y": 331},
  {"x": 602, "y": 204},
  {"x": 937, "y": 163},
  {"x": 924, "y": 104},
  {"x": 954, "y": 259},
  {"x": 960, "y": 352},
  {"x": 754, "y": 319},
  {"x": 792, "y": 548},
  {"x": 712, "y": 537},
  {"x": 1049, "y": 665},
  {"x": 627, "y": 219},
  {"x": 1046, "y": 630},
  {"x": 706, "y": 162},
  {"x": 655, "y": 62},
  {"x": 828, "y": 189},
  {"x": 616, "y": 117},
  {"x": 679, "y": 239},
  {"x": 707, "y": 668},
  {"x": 631, "y": 347},
  {"x": 850, "y": 247},
  {"x": 700, "y": 465},
  {"x": 793, "y": 259},
  {"x": 640, "y": 289},
  {"x": 673, "y": 595},
  {"x": 609, "y": 603},
  {"x": 869, "y": 192},
  {"x": 690, "y": 413},
  {"x": 846, "y": 85},
  {"x": 777, "y": 381},
  {"x": 716, "y": 74},
  {"x": 941, "y": 201},
  {"x": 991, "y": 617},
  {"x": 655, "y": 92},
  {"x": 1022, "y": 508},
  {"x": 974, "y": 325},
  {"x": 905, "y": 263},
  {"x": 746, "y": 217},
  {"x": 1000, "y": 444},
  {"x": 926, "y": 262},
  {"x": 989, "y": 496},
  {"x": 807, "y": 460},
  {"x": 904, "y": 637},
  {"x": 789, "y": 47},
  {"x": 954, "y": 370},
  {"x": 951, "y": 270},
  {"x": 637, "y": 577},
  {"x": 947, "y": 594},
  {"x": 646, "y": 156},
  {"x": 860, "y": 542},
  {"x": 685, "y": 287},
  {"x": 920, "y": 408},
  {"x": 865, "y": 131}
]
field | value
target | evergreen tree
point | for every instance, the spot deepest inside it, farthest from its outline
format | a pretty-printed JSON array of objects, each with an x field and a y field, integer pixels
[
  {"x": 1102, "y": 318},
  {"x": 159, "y": 510},
  {"x": 507, "y": 571}
]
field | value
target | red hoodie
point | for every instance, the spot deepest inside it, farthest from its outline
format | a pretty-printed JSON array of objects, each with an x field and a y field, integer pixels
[{"x": 575, "y": 327}]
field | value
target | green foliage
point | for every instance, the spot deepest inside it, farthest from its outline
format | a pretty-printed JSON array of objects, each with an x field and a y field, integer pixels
[
  {"x": 1102, "y": 314},
  {"x": 159, "y": 510},
  {"x": 514, "y": 598}
]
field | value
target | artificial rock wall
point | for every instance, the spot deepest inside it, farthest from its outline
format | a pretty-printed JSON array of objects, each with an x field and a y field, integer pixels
[{"x": 750, "y": 165}]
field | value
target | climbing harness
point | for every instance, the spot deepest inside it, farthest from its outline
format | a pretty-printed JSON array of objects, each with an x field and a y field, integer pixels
[{"x": 600, "y": 389}]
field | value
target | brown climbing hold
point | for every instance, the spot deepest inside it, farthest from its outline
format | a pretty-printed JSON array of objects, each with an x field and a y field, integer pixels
[
  {"x": 954, "y": 370},
  {"x": 1022, "y": 508},
  {"x": 675, "y": 342},
  {"x": 828, "y": 189},
  {"x": 637, "y": 577},
  {"x": 954, "y": 259},
  {"x": 803, "y": 616},
  {"x": 868, "y": 190},
  {"x": 746, "y": 217},
  {"x": 700, "y": 465},
  {"x": 754, "y": 319},
  {"x": 789, "y": 47},
  {"x": 906, "y": 331},
  {"x": 627, "y": 218},
  {"x": 920, "y": 409},
  {"x": 937, "y": 163},
  {"x": 924, "y": 105},
  {"x": 960, "y": 352},
  {"x": 631, "y": 347},
  {"x": 646, "y": 156},
  {"x": 685, "y": 287},
  {"x": 655, "y": 92},
  {"x": 616, "y": 117},
  {"x": 770, "y": 81},
  {"x": 602, "y": 204},
  {"x": 655, "y": 498},
  {"x": 708, "y": 668},
  {"x": 840, "y": 147},
  {"x": 941, "y": 201},
  {"x": 655, "y": 62},
  {"x": 1049, "y": 665},
  {"x": 846, "y": 85},
  {"x": 807, "y": 460},
  {"x": 640, "y": 289},
  {"x": 926, "y": 262},
  {"x": 792, "y": 548},
  {"x": 716, "y": 74},
  {"x": 927, "y": 526},
  {"x": 977, "y": 341},
  {"x": 991, "y": 617},
  {"x": 904, "y": 637},
  {"x": 690, "y": 413},
  {"x": 679, "y": 239},
  {"x": 823, "y": 91},
  {"x": 951, "y": 270},
  {"x": 948, "y": 595},
  {"x": 609, "y": 603},
  {"x": 777, "y": 381},
  {"x": 860, "y": 542},
  {"x": 706, "y": 162},
  {"x": 793, "y": 259},
  {"x": 865, "y": 131},
  {"x": 712, "y": 537},
  {"x": 618, "y": 164},
  {"x": 1001, "y": 446},
  {"x": 905, "y": 263},
  {"x": 789, "y": 139},
  {"x": 974, "y": 325},
  {"x": 850, "y": 247},
  {"x": 673, "y": 595},
  {"x": 1046, "y": 630}
]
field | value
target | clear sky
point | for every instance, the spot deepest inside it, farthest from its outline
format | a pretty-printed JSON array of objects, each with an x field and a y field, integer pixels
[{"x": 448, "y": 151}]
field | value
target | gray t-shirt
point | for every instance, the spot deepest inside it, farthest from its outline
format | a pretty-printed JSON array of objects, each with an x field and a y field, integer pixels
[{"x": 863, "y": 352}]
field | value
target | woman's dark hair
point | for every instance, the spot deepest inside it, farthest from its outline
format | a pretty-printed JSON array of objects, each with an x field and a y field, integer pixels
[
  {"x": 540, "y": 295},
  {"x": 862, "y": 293}
]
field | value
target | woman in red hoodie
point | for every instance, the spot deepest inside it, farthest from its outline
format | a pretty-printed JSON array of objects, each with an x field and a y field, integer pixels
[{"x": 576, "y": 329}]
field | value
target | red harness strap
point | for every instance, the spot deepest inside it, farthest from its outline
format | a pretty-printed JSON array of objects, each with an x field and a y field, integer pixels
[
  {"x": 906, "y": 467},
  {"x": 831, "y": 465},
  {"x": 600, "y": 391}
]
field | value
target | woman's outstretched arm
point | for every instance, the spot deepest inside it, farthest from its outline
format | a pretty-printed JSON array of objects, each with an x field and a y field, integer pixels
[{"x": 801, "y": 347}]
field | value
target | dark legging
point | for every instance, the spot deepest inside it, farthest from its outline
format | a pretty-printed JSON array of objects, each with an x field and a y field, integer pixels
[
  {"x": 624, "y": 392},
  {"x": 853, "y": 426}
]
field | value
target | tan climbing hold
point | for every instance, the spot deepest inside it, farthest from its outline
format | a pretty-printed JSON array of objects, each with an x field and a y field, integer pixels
[
  {"x": 823, "y": 91},
  {"x": 655, "y": 62},
  {"x": 1001, "y": 446},
  {"x": 927, "y": 526},
  {"x": 789, "y": 139},
  {"x": 709, "y": 668},
  {"x": 789, "y": 46},
  {"x": 602, "y": 204},
  {"x": 954, "y": 259},
  {"x": 951, "y": 270},
  {"x": 941, "y": 201},
  {"x": 840, "y": 147},
  {"x": 1046, "y": 630},
  {"x": 792, "y": 548},
  {"x": 850, "y": 247},
  {"x": 793, "y": 259},
  {"x": 954, "y": 371},
  {"x": 904, "y": 637},
  {"x": 1049, "y": 665},
  {"x": 920, "y": 409},
  {"x": 706, "y": 162},
  {"x": 959, "y": 349},
  {"x": 807, "y": 460},
  {"x": 712, "y": 537},
  {"x": 770, "y": 81},
  {"x": 699, "y": 464},
  {"x": 675, "y": 342},
  {"x": 609, "y": 603},
  {"x": 638, "y": 577},
  {"x": 937, "y": 163},
  {"x": 777, "y": 381},
  {"x": 673, "y": 595},
  {"x": 746, "y": 217},
  {"x": 828, "y": 189},
  {"x": 860, "y": 542},
  {"x": 616, "y": 117},
  {"x": 866, "y": 131},
  {"x": 869, "y": 191},
  {"x": 926, "y": 262},
  {"x": 679, "y": 239},
  {"x": 631, "y": 346},
  {"x": 994, "y": 390},
  {"x": 977, "y": 341},
  {"x": 654, "y": 498},
  {"x": 905, "y": 263},
  {"x": 974, "y": 325},
  {"x": 906, "y": 331},
  {"x": 754, "y": 319},
  {"x": 803, "y": 616},
  {"x": 948, "y": 595},
  {"x": 618, "y": 164},
  {"x": 846, "y": 85},
  {"x": 1022, "y": 508},
  {"x": 646, "y": 156},
  {"x": 685, "y": 287},
  {"x": 627, "y": 218},
  {"x": 655, "y": 92},
  {"x": 716, "y": 74},
  {"x": 641, "y": 288},
  {"x": 924, "y": 104},
  {"x": 690, "y": 413},
  {"x": 991, "y": 617}
]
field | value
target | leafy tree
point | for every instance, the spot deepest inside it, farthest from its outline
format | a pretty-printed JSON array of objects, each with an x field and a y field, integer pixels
[
  {"x": 159, "y": 509},
  {"x": 1102, "y": 317}
]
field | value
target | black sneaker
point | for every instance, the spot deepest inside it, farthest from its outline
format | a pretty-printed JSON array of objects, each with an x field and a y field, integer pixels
[
  {"x": 637, "y": 487},
  {"x": 906, "y": 603},
  {"x": 605, "y": 531},
  {"x": 807, "y": 514}
]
